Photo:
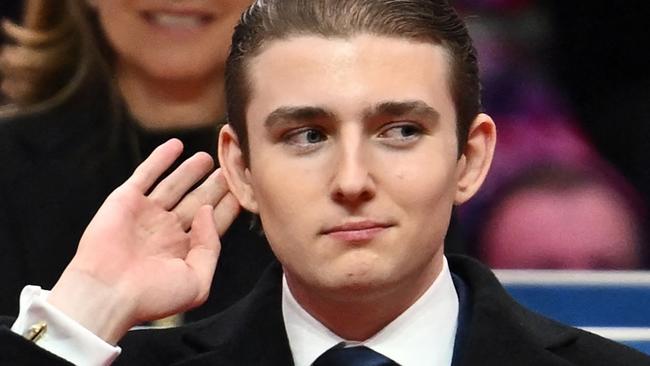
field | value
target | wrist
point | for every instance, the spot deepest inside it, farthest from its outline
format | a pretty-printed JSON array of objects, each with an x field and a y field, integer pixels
[{"x": 104, "y": 310}]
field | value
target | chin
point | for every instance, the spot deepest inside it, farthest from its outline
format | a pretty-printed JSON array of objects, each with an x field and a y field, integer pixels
[
  {"x": 364, "y": 285},
  {"x": 361, "y": 292}
]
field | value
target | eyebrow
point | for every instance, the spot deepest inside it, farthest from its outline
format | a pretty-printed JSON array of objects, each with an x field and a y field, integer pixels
[
  {"x": 402, "y": 108},
  {"x": 292, "y": 114},
  {"x": 300, "y": 113}
]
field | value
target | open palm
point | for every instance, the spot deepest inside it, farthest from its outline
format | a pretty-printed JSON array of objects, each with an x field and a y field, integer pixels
[{"x": 152, "y": 249}]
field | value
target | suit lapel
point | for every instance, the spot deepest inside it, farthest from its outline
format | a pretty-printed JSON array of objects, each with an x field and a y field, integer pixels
[
  {"x": 499, "y": 331},
  {"x": 496, "y": 340}
]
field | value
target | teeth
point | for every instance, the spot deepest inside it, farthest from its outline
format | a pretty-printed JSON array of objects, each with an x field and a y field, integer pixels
[{"x": 184, "y": 21}]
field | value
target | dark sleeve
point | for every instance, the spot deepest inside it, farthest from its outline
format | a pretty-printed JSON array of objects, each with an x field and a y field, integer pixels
[
  {"x": 593, "y": 350},
  {"x": 16, "y": 350},
  {"x": 154, "y": 347}
]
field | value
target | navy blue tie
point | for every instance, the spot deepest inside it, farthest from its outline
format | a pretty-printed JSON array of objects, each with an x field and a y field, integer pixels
[{"x": 340, "y": 355}]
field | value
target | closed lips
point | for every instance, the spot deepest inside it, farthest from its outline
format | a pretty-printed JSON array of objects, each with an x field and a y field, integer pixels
[{"x": 356, "y": 226}]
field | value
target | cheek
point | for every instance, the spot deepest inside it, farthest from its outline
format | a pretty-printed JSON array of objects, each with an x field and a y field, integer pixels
[
  {"x": 425, "y": 198},
  {"x": 421, "y": 184},
  {"x": 284, "y": 196},
  {"x": 288, "y": 214}
]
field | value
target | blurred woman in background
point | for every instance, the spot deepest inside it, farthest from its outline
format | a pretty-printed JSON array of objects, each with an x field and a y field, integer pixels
[{"x": 91, "y": 88}]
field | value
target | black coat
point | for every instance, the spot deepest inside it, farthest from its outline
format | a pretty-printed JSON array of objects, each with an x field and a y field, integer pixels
[
  {"x": 499, "y": 332},
  {"x": 58, "y": 166}
]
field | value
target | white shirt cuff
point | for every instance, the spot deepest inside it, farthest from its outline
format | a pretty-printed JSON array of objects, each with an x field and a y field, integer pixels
[{"x": 64, "y": 337}]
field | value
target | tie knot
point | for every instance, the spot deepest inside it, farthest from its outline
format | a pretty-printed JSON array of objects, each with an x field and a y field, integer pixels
[{"x": 340, "y": 355}]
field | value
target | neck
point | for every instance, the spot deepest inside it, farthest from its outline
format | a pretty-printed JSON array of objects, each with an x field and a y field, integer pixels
[
  {"x": 169, "y": 104},
  {"x": 358, "y": 314}
]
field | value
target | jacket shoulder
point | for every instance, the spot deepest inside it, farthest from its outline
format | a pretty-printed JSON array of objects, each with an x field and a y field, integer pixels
[
  {"x": 591, "y": 349},
  {"x": 503, "y": 332}
]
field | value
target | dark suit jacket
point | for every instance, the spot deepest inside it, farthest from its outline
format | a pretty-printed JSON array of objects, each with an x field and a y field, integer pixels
[
  {"x": 498, "y": 332},
  {"x": 58, "y": 166}
]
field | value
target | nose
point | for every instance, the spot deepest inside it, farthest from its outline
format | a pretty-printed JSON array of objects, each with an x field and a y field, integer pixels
[{"x": 353, "y": 183}]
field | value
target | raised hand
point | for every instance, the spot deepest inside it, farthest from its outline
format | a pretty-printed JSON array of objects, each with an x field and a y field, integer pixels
[{"x": 150, "y": 251}]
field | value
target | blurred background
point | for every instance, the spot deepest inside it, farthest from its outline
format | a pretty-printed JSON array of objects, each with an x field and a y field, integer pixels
[
  {"x": 10, "y": 9},
  {"x": 568, "y": 84}
]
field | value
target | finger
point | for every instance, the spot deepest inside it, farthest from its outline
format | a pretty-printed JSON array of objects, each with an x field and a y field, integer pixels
[
  {"x": 225, "y": 212},
  {"x": 171, "y": 189},
  {"x": 204, "y": 251},
  {"x": 210, "y": 192},
  {"x": 160, "y": 159}
]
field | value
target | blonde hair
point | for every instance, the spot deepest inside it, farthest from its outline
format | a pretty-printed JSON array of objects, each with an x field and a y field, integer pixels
[{"x": 51, "y": 55}]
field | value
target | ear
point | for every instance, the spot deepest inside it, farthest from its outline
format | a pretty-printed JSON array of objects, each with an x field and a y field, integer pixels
[
  {"x": 476, "y": 158},
  {"x": 234, "y": 168}
]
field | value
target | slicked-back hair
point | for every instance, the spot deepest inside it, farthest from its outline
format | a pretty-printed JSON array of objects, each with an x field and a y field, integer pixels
[{"x": 432, "y": 21}]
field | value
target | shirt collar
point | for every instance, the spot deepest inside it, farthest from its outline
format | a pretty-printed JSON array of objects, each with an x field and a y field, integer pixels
[{"x": 422, "y": 335}]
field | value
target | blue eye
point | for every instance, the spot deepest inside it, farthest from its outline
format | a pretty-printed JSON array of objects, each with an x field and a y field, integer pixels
[
  {"x": 314, "y": 136},
  {"x": 305, "y": 137},
  {"x": 400, "y": 133},
  {"x": 408, "y": 130}
]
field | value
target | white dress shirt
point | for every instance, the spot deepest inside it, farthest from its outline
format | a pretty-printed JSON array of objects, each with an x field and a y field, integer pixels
[
  {"x": 64, "y": 337},
  {"x": 423, "y": 335}
]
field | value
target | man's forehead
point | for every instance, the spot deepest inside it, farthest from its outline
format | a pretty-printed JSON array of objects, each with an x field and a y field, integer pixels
[
  {"x": 312, "y": 42},
  {"x": 310, "y": 70}
]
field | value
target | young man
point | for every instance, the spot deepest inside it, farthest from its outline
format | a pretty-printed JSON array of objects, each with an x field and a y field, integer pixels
[{"x": 354, "y": 128}]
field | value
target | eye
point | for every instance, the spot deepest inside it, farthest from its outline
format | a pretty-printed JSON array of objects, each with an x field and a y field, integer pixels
[
  {"x": 400, "y": 133},
  {"x": 305, "y": 137}
]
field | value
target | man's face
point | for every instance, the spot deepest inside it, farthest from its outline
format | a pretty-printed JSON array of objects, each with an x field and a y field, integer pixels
[{"x": 353, "y": 161}]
